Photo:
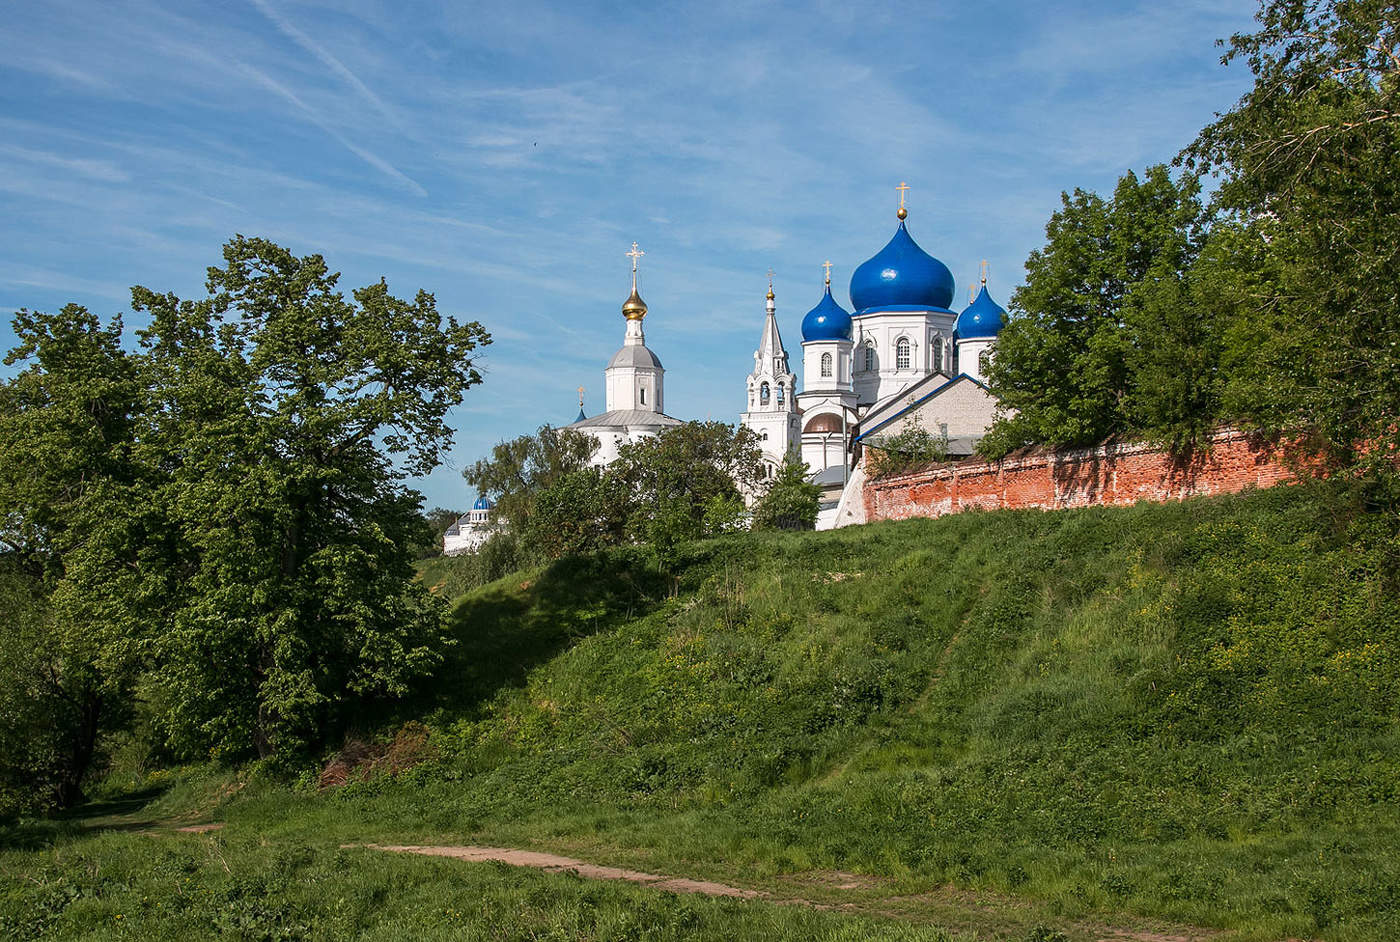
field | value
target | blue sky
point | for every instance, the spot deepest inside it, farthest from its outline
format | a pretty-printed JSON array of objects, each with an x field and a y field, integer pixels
[{"x": 505, "y": 156}]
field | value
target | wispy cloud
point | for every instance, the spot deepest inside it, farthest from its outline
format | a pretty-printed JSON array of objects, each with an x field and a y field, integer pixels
[
  {"x": 290, "y": 30},
  {"x": 375, "y": 161},
  {"x": 83, "y": 166}
]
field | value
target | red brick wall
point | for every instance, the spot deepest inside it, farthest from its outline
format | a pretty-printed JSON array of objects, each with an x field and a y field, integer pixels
[{"x": 1111, "y": 474}]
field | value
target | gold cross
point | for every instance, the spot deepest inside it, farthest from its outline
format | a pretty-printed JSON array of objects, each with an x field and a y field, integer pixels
[
  {"x": 827, "y": 265},
  {"x": 902, "y": 188},
  {"x": 771, "y": 273},
  {"x": 580, "y": 397},
  {"x": 635, "y": 254},
  {"x": 984, "y": 271}
]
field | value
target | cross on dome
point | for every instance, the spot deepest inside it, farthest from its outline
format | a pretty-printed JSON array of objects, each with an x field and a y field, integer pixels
[
  {"x": 984, "y": 271},
  {"x": 902, "y": 188},
  {"x": 635, "y": 254},
  {"x": 827, "y": 265}
]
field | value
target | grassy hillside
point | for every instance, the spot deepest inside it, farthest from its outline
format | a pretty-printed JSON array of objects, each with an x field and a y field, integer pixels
[{"x": 1187, "y": 712}]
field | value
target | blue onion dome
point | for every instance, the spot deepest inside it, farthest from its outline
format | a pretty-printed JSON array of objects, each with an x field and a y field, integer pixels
[
  {"x": 827, "y": 321},
  {"x": 482, "y": 504},
  {"x": 981, "y": 319},
  {"x": 901, "y": 277}
]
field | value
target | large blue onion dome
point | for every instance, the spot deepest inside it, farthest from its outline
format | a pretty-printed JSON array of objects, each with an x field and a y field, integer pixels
[
  {"x": 482, "y": 504},
  {"x": 827, "y": 321},
  {"x": 901, "y": 277},
  {"x": 981, "y": 319}
]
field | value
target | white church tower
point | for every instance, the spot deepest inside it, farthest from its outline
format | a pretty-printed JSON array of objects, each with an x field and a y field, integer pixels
[
  {"x": 633, "y": 384},
  {"x": 634, "y": 374},
  {"x": 772, "y": 390}
]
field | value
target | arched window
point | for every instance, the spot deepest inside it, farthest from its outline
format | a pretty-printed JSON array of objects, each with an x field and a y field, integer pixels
[
  {"x": 780, "y": 394},
  {"x": 935, "y": 348},
  {"x": 826, "y": 364},
  {"x": 763, "y": 395},
  {"x": 869, "y": 357},
  {"x": 903, "y": 354},
  {"x": 763, "y": 437}
]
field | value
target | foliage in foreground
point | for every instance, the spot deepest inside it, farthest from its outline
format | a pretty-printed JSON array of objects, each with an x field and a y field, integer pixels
[{"x": 217, "y": 526}]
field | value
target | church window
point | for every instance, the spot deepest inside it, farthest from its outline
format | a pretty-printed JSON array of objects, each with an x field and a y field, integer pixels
[
  {"x": 763, "y": 394},
  {"x": 780, "y": 394},
  {"x": 903, "y": 354},
  {"x": 869, "y": 357},
  {"x": 826, "y": 364},
  {"x": 936, "y": 349},
  {"x": 643, "y": 391}
]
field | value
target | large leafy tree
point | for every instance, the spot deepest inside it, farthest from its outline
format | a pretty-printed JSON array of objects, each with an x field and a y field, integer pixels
[
  {"x": 285, "y": 418},
  {"x": 1108, "y": 336},
  {"x": 1311, "y": 157},
  {"x": 86, "y": 561}
]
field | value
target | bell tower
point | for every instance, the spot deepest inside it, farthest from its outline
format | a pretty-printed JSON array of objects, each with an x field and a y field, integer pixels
[{"x": 772, "y": 392}]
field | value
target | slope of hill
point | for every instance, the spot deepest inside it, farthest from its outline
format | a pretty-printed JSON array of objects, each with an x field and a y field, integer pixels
[{"x": 1187, "y": 711}]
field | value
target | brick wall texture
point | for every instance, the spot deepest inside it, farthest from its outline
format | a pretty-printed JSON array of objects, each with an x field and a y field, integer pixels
[{"x": 1082, "y": 477}]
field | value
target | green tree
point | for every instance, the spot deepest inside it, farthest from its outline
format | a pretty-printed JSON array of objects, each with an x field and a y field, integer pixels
[
  {"x": 285, "y": 419},
  {"x": 86, "y": 561},
  {"x": 684, "y": 483},
  {"x": 519, "y": 470},
  {"x": 791, "y": 501},
  {"x": 581, "y": 512},
  {"x": 1106, "y": 314},
  {"x": 1311, "y": 157}
]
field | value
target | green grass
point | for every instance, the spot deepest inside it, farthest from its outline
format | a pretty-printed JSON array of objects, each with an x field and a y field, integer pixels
[{"x": 1006, "y": 720}]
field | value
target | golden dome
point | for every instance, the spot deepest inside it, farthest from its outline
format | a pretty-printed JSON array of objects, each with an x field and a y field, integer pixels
[{"x": 634, "y": 308}]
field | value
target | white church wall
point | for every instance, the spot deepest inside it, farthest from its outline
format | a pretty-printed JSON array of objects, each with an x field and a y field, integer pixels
[{"x": 885, "y": 330}]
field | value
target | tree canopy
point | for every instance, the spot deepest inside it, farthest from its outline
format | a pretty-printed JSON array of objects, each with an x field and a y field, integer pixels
[{"x": 221, "y": 516}]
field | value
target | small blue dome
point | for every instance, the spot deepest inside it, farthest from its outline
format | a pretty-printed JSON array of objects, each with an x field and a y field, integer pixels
[
  {"x": 482, "y": 504},
  {"x": 901, "y": 277},
  {"x": 827, "y": 321},
  {"x": 981, "y": 319}
]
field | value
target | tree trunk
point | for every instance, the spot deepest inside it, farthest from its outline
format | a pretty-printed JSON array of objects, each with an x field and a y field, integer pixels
[{"x": 84, "y": 746}]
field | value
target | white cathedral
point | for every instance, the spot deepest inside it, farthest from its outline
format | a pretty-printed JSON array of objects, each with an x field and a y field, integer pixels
[{"x": 903, "y": 359}]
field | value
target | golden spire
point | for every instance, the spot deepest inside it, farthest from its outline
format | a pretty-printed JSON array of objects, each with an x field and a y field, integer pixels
[
  {"x": 827, "y": 265},
  {"x": 902, "y": 188},
  {"x": 771, "y": 273},
  {"x": 634, "y": 308}
]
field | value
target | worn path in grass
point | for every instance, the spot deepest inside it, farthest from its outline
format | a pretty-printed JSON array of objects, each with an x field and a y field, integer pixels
[
  {"x": 557, "y": 864},
  {"x": 554, "y": 863}
]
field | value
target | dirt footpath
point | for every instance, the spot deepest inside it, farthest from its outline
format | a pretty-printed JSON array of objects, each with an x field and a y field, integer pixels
[{"x": 556, "y": 864}]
